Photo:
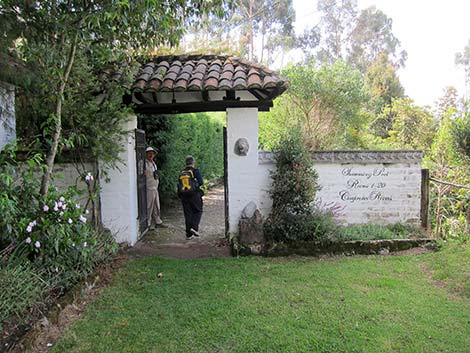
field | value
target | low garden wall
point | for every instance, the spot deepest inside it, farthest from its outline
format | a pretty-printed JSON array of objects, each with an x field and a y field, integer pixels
[
  {"x": 379, "y": 187},
  {"x": 351, "y": 247}
]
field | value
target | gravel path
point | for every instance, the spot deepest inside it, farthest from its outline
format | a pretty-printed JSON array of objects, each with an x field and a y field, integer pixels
[{"x": 170, "y": 241}]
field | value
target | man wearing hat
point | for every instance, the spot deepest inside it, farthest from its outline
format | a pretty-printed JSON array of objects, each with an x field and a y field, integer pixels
[{"x": 153, "y": 199}]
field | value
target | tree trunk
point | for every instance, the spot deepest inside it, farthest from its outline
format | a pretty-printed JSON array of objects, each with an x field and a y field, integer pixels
[{"x": 46, "y": 177}]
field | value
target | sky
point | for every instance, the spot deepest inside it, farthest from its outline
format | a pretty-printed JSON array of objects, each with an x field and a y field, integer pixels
[{"x": 431, "y": 31}]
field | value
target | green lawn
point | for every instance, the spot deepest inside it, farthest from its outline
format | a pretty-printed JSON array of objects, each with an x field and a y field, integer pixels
[{"x": 362, "y": 304}]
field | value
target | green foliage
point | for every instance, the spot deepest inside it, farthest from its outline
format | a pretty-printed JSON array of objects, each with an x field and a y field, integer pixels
[
  {"x": 460, "y": 131},
  {"x": 323, "y": 102},
  {"x": 384, "y": 86},
  {"x": 373, "y": 232},
  {"x": 293, "y": 215},
  {"x": 408, "y": 120},
  {"x": 175, "y": 137},
  {"x": 22, "y": 288},
  {"x": 450, "y": 212}
]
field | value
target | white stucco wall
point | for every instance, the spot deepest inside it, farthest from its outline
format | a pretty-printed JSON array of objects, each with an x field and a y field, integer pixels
[
  {"x": 119, "y": 196},
  {"x": 247, "y": 180},
  {"x": 65, "y": 175},
  {"x": 364, "y": 187},
  {"x": 7, "y": 114}
]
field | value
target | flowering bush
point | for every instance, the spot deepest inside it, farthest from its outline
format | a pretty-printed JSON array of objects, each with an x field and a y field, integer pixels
[
  {"x": 52, "y": 232},
  {"x": 60, "y": 225}
]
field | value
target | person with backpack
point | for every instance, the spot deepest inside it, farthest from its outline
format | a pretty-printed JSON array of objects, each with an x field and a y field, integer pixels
[{"x": 189, "y": 191}]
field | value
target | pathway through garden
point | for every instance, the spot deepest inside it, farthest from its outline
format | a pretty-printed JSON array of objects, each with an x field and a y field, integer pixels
[{"x": 170, "y": 241}]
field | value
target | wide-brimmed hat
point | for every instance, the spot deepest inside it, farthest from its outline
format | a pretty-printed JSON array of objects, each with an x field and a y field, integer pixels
[{"x": 150, "y": 149}]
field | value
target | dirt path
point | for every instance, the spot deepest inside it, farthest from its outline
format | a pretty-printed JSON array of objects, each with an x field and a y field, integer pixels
[{"x": 171, "y": 241}]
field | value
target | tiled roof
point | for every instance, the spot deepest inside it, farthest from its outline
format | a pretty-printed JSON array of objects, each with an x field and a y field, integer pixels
[{"x": 207, "y": 73}]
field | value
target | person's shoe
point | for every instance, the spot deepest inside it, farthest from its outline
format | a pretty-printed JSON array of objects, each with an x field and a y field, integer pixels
[
  {"x": 191, "y": 237},
  {"x": 195, "y": 233}
]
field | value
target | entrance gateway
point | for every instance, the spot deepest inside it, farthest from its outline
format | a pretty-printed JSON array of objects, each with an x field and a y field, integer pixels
[{"x": 192, "y": 84}]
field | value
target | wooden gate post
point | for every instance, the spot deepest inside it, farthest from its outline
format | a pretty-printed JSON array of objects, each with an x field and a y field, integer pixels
[{"x": 425, "y": 198}]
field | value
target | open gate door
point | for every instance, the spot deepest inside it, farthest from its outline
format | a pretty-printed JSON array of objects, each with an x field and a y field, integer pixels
[
  {"x": 140, "y": 146},
  {"x": 226, "y": 182}
]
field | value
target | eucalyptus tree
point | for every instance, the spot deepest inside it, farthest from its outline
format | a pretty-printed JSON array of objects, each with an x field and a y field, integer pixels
[
  {"x": 463, "y": 59},
  {"x": 64, "y": 39},
  {"x": 357, "y": 37}
]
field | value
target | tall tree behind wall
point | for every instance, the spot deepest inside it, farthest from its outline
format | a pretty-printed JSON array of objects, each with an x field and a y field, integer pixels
[
  {"x": 358, "y": 37},
  {"x": 255, "y": 30}
]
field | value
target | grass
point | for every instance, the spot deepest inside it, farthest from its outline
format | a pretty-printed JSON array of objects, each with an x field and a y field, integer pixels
[
  {"x": 361, "y": 304},
  {"x": 452, "y": 266}
]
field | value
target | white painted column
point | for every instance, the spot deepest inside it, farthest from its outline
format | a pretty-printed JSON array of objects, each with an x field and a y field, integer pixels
[
  {"x": 243, "y": 172},
  {"x": 7, "y": 114},
  {"x": 119, "y": 196}
]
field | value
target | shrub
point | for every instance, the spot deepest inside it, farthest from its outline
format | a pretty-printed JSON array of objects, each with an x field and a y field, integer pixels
[
  {"x": 293, "y": 215},
  {"x": 375, "y": 232}
]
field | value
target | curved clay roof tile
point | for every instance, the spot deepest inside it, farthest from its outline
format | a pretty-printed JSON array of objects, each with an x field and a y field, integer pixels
[
  {"x": 269, "y": 82},
  {"x": 254, "y": 81},
  {"x": 211, "y": 84},
  {"x": 195, "y": 85},
  {"x": 239, "y": 84},
  {"x": 181, "y": 85},
  {"x": 225, "y": 84},
  {"x": 213, "y": 74},
  {"x": 164, "y": 64},
  {"x": 228, "y": 67},
  {"x": 239, "y": 74}
]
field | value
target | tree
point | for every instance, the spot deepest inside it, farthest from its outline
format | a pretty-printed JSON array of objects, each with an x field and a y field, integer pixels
[
  {"x": 358, "y": 38},
  {"x": 413, "y": 126},
  {"x": 463, "y": 59},
  {"x": 371, "y": 38},
  {"x": 323, "y": 102},
  {"x": 55, "y": 37},
  {"x": 248, "y": 22},
  {"x": 383, "y": 86},
  {"x": 335, "y": 26}
]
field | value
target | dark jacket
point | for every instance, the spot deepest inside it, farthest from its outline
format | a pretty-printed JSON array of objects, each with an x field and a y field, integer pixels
[{"x": 197, "y": 175}]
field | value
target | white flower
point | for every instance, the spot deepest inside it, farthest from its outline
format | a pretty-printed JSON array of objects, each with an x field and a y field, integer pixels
[
  {"x": 73, "y": 245},
  {"x": 28, "y": 240},
  {"x": 85, "y": 244},
  {"x": 89, "y": 177},
  {"x": 45, "y": 208},
  {"x": 61, "y": 213},
  {"x": 29, "y": 229},
  {"x": 77, "y": 206},
  {"x": 33, "y": 223},
  {"x": 61, "y": 199},
  {"x": 64, "y": 206},
  {"x": 59, "y": 204},
  {"x": 82, "y": 219},
  {"x": 70, "y": 221},
  {"x": 56, "y": 206},
  {"x": 87, "y": 212},
  {"x": 37, "y": 244}
]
